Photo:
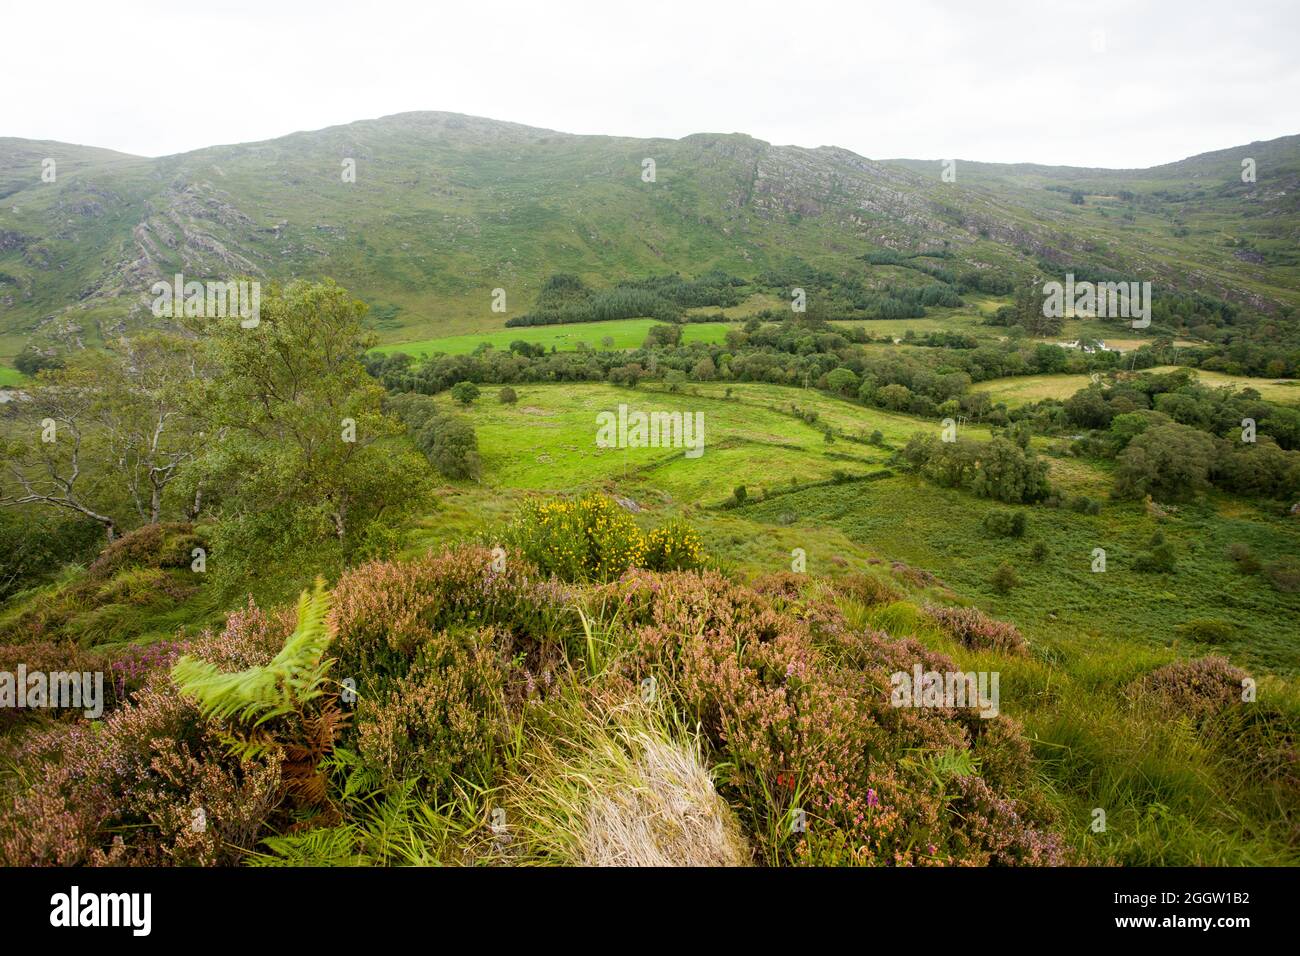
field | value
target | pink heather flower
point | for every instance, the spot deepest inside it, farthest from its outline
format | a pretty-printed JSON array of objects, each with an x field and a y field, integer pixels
[{"x": 872, "y": 799}]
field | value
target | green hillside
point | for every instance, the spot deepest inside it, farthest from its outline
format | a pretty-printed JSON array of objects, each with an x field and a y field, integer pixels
[{"x": 446, "y": 208}]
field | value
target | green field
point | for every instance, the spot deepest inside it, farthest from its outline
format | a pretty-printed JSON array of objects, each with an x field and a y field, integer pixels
[
  {"x": 1025, "y": 389},
  {"x": 546, "y": 443},
  {"x": 625, "y": 333},
  {"x": 11, "y": 376}
]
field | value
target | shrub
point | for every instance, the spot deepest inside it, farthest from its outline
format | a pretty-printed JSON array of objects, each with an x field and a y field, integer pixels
[
  {"x": 754, "y": 674},
  {"x": 593, "y": 539},
  {"x": 589, "y": 539},
  {"x": 1004, "y": 579},
  {"x": 1208, "y": 631},
  {"x": 465, "y": 392},
  {"x": 34, "y": 545},
  {"x": 868, "y": 589},
  {"x": 674, "y": 547},
  {"x": 1039, "y": 552},
  {"x": 443, "y": 717},
  {"x": 507, "y": 396},
  {"x": 167, "y": 545},
  {"x": 1284, "y": 575},
  {"x": 126, "y": 790},
  {"x": 451, "y": 446},
  {"x": 53, "y": 657},
  {"x": 976, "y": 630},
  {"x": 1197, "y": 688},
  {"x": 1004, "y": 524},
  {"x": 1239, "y": 553},
  {"x": 386, "y": 611},
  {"x": 1159, "y": 559}
]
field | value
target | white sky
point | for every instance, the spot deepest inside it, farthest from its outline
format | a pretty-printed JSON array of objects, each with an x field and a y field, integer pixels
[{"x": 997, "y": 81}]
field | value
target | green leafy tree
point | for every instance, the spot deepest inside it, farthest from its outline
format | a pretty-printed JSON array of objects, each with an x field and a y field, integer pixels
[
  {"x": 307, "y": 455},
  {"x": 842, "y": 380},
  {"x": 108, "y": 434},
  {"x": 465, "y": 392},
  {"x": 1168, "y": 462},
  {"x": 452, "y": 446}
]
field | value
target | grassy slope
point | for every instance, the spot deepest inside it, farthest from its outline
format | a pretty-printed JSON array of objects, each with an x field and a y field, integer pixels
[
  {"x": 446, "y": 208},
  {"x": 1021, "y": 390},
  {"x": 1170, "y": 796},
  {"x": 626, "y": 334},
  {"x": 546, "y": 443}
]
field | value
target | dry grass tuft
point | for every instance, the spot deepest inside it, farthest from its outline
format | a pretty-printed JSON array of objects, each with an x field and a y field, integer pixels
[
  {"x": 664, "y": 813},
  {"x": 620, "y": 790}
]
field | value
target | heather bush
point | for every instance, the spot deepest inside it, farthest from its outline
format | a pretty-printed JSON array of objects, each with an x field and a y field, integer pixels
[
  {"x": 868, "y": 589},
  {"x": 445, "y": 716},
  {"x": 995, "y": 832},
  {"x": 53, "y": 657},
  {"x": 125, "y": 790},
  {"x": 167, "y": 545},
  {"x": 796, "y": 707},
  {"x": 976, "y": 630},
  {"x": 1196, "y": 688},
  {"x": 385, "y": 612}
]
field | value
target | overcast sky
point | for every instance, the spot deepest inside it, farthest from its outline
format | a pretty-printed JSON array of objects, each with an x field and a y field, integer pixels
[{"x": 1084, "y": 84}]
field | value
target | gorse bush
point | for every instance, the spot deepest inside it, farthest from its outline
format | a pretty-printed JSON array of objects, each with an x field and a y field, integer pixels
[
  {"x": 589, "y": 539},
  {"x": 593, "y": 539},
  {"x": 674, "y": 547}
]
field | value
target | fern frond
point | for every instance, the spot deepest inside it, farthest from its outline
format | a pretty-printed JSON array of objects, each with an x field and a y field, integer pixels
[{"x": 292, "y": 678}]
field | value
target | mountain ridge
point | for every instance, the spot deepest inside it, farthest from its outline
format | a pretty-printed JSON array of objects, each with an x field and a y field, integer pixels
[{"x": 447, "y": 206}]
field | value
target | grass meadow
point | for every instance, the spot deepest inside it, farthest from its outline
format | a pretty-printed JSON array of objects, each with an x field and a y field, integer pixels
[{"x": 1172, "y": 794}]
